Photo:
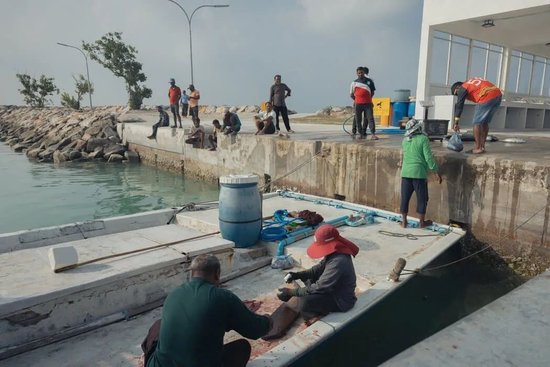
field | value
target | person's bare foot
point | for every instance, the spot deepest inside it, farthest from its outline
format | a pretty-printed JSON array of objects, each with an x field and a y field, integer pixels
[
  {"x": 404, "y": 224},
  {"x": 477, "y": 151},
  {"x": 426, "y": 223}
]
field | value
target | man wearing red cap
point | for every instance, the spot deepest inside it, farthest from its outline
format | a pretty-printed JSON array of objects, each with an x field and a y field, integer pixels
[{"x": 330, "y": 285}]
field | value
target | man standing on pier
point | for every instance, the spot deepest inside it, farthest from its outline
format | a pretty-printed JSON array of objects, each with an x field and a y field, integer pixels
[
  {"x": 487, "y": 97},
  {"x": 277, "y": 95},
  {"x": 174, "y": 95},
  {"x": 361, "y": 91},
  {"x": 194, "y": 97}
]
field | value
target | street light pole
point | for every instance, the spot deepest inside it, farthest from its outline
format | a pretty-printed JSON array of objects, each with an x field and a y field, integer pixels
[
  {"x": 87, "y": 70},
  {"x": 189, "y": 19}
]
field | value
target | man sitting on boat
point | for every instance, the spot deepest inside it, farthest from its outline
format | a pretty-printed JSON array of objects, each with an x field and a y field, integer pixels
[
  {"x": 330, "y": 285},
  {"x": 196, "y": 316}
]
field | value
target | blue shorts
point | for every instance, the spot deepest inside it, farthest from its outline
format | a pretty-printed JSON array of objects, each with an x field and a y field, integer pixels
[{"x": 483, "y": 113}]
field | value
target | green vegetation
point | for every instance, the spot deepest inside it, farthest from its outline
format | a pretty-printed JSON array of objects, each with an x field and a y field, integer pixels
[
  {"x": 36, "y": 92},
  {"x": 113, "y": 54},
  {"x": 82, "y": 87}
]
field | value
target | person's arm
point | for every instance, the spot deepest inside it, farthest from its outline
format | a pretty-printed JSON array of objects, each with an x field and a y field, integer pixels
[
  {"x": 373, "y": 88},
  {"x": 352, "y": 91},
  {"x": 245, "y": 322},
  {"x": 287, "y": 89},
  {"x": 271, "y": 94},
  {"x": 461, "y": 98},
  {"x": 429, "y": 158}
]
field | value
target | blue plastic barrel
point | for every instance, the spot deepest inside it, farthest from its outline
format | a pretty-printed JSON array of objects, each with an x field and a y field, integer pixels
[
  {"x": 412, "y": 109},
  {"x": 240, "y": 212},
  {"x": 400, "y": 110}
]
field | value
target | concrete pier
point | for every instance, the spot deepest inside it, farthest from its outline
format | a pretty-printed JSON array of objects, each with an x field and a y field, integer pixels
[
  {"x": 511, "y": 331},
  {"x": 502, "y": 195}
]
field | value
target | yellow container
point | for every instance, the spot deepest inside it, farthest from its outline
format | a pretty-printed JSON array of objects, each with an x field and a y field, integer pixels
[
  {"x": 385, "y": 120},
  {"x": 381, "y": 106}
]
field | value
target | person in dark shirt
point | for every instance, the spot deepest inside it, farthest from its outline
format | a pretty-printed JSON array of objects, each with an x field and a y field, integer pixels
[
  {"x": 164, "y": 120},
  {"x": 277, "y": 95},
  {"x": 231, "y": 122},
  {"x": 487, "y": 97},
  {"x": 330, "y": 285},
  {"x": 196, "y": 316}
]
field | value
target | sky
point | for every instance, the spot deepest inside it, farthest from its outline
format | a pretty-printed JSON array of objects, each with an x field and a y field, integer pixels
[{"x": 315, "y": 45}]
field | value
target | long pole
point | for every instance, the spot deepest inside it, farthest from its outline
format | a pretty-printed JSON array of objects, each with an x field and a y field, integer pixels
[
  {"x": 189, "y": 19},
  {"x": 87, "y": 69}
]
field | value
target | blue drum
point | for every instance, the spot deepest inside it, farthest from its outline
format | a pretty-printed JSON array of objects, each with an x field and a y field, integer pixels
[{"x": 240, "y": 212}]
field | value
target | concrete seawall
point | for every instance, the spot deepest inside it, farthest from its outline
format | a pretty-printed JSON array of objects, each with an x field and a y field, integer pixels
[{"x": 493, "y": 193}]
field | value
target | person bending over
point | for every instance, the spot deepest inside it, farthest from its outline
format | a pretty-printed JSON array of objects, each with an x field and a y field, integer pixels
[
  {"x": 231, "y": 122},
  {"x": 487, "y": 98}
]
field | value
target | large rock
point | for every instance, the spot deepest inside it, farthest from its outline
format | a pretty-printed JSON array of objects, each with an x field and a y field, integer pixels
[
  {"x": 59, "y": 157},
  {"x": 33, "y": 153},
  {"x": 74, "y": 154},
  {"x": 132, "y": 157},
  {"x": 115, "y": 158},
  {"x": 113, "y": 149},
  {"x": 96, "y": 142},
  {"x": 19, "y": 147}
]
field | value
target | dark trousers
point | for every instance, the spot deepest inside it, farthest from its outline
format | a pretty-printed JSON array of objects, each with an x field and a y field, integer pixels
[
  {"x": 410, "y": 185},
  {"x": 283, "y": 111},
  {"x": 184, "y": 109},
  {"x": 175, "y": 108},
  {"x": 364, "y": 116},
  {"x": 314, "y": 305},
  {"x": 194, "y": 112},
  {"x": 155, "y": 128},
  {"x": 234, "y": 354}
]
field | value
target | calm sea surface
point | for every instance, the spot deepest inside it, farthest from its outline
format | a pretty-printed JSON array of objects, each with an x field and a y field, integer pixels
[{"x": 34, "y": 195}]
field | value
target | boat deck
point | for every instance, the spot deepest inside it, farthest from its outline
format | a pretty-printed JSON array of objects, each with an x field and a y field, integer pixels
[{"x": 377, "y": 256}]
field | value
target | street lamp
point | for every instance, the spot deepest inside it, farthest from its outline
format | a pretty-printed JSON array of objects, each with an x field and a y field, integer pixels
[
  {"x": 87, "y": 70},
  {"x": 189, "y": 19}
]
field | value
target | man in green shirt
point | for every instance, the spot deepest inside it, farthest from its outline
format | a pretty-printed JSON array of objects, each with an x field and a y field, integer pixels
[
  {"x": 417, "y": 160},
  {"x": 196, "y": 316}
]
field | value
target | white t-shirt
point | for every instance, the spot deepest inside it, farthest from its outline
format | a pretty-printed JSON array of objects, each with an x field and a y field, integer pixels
[{"x": 264, "y": 115}]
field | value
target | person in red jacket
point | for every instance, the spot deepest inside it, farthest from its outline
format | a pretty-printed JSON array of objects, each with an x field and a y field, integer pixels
[
  {"x": 174, "y": 95},
  {"x": 487, "y": 97}
]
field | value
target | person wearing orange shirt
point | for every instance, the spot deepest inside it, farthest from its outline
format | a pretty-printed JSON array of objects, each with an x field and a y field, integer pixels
[
  {"x": 174, "y": 95},
  {"x": 487, "y": 98},
  {"x": 194, "y": 97}
]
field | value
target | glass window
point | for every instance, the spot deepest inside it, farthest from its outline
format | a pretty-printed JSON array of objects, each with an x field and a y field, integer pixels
[
  {"x": 525, "y": 74},
  {"x": 493, "y": 67},
  {"x": 546, "y": 90},
  {"x": 477, "y": 62},
  {"x": 536, "y": 81},
  {"x": 438, "y": 72},
  {"x": 512, "y": 82},
  {"x": 459, "y": 62}
]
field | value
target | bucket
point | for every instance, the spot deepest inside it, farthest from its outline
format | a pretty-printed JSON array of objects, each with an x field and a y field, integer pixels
[
  {"x": 240, "y": 212},
  {"x": 400, "y": 110},
  {"x": 412, "y": 109},
  {"x": 401, "y": 95}
]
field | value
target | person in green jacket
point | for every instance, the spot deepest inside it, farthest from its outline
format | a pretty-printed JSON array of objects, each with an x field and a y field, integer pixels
[
  {"x": 196, "y": 316},
  {"x": 417, "y": 160}
]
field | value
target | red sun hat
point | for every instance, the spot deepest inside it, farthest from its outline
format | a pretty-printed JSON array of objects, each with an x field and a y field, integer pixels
[{"x": 329, "y": 241}]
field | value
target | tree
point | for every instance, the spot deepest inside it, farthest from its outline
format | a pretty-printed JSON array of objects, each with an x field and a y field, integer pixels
[
  {"x": 113, "y": 54},
  {"x": 82, "y": 87},
  {"x": 36, "y": 92}
]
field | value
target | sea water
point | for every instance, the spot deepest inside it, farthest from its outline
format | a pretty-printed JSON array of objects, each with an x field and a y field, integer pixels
[{"x": 34, "y": 195}]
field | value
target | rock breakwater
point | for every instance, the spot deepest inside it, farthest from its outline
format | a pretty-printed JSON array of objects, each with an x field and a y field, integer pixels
[{"x": 59, "y": 134}]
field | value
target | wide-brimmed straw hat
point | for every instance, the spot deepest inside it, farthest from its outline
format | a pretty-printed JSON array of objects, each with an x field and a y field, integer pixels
[{"x": 329, "y": 241}]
